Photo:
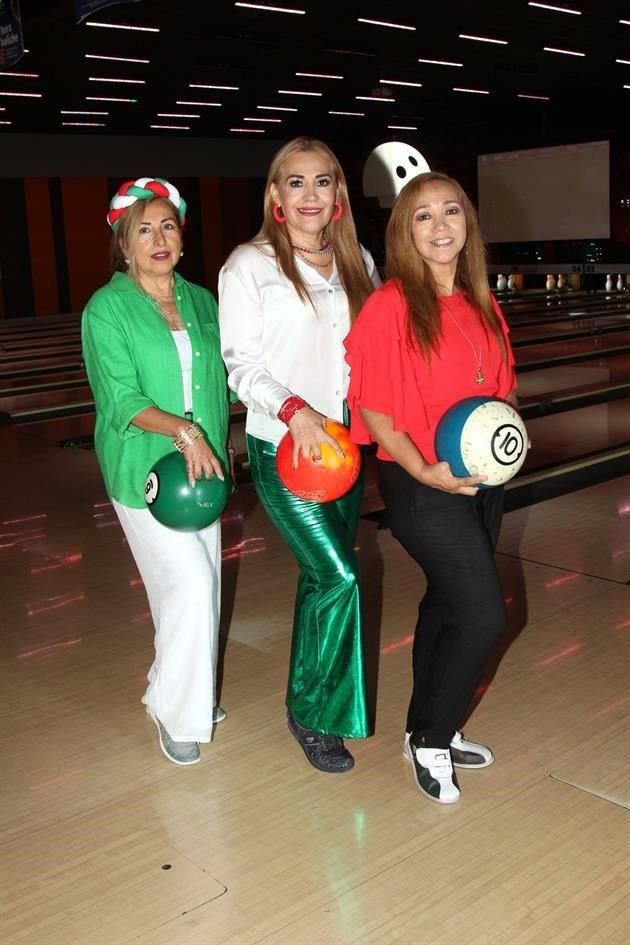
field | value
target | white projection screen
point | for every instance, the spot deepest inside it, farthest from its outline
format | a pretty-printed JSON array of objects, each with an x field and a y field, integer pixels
[{"x": 560, "y": 193}]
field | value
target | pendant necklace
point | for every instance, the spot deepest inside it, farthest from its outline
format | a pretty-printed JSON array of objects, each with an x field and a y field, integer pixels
[{"x": 479, "y": 378}]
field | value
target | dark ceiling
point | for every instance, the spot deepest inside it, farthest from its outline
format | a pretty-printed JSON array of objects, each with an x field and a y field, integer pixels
[{"x": 216, "y": 42}]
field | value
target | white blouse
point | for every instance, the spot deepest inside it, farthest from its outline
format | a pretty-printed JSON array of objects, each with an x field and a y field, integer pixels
[
  {"x": 184, "y": 350},
  {"x": 275, "y": 345}
]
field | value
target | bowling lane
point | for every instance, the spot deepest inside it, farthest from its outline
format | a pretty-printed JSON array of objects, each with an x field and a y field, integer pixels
[
  {"x": 582, "y": 377},
  {"x": 521, "y": 335},
  {"x": 533, "y": 357},
  {"x": 576, "y": 433}
]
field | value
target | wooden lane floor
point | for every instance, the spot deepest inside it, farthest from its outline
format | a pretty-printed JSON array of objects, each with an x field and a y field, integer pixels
[{"x": 102, "y": 842}]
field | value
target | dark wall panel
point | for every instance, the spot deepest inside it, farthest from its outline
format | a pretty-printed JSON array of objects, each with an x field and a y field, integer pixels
[
  {"x": 42, "y": 246},
  {"x": 15, "y": 259},
  {"x": 85, "y": 201}
]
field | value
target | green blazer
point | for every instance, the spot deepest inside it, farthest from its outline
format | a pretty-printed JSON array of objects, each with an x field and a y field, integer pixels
[{"x": 132, "y": 363}]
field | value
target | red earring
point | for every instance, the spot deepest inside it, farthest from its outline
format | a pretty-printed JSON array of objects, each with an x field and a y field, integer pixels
[
  {"x": 277, "y": 214},
  {"x": 338, "y": 211}
]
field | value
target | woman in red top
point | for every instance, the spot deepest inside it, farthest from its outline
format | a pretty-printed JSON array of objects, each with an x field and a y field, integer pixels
[{"x": 431, "y": 336}]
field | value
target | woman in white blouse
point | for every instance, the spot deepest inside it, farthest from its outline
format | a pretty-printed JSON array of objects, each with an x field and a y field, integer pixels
[{"x": 286, "y": 301}]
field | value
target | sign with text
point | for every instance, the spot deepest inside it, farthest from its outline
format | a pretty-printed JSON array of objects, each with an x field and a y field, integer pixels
[{"x": 11, "y": 39}]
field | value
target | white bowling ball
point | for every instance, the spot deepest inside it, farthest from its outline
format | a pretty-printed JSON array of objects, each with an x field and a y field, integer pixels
[{"x": 388, "y": 168}]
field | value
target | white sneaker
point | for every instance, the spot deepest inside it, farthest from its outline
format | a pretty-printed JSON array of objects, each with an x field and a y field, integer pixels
[
  {"x": 464, "y": 753},
  {"x": 467, "y": 754},
  {"x": 433, "y": 772}
]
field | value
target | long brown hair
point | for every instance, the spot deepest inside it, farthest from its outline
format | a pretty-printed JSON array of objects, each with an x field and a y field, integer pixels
[
  {"x": 414, "y": 275},
  {"x": 341, "y": 233}
]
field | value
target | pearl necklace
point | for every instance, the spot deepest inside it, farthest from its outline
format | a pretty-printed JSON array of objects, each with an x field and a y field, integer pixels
[
  {"x": 325, "y": 250},
  {"x": 479, "y": 378},
  {"x": 311, "y": 262}
]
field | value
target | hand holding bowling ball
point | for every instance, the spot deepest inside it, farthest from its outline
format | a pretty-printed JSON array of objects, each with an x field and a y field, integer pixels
[
  {"x": 174, "y": 502},
  {"x": 482, "y": 436},
  {"x": 324, "y": 479}
]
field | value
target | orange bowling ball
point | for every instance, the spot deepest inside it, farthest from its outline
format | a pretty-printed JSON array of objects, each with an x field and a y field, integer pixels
[{"x": 326, "y": 480}]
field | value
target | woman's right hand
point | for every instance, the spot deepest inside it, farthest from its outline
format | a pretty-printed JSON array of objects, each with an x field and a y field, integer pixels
[
  {"x": 308, "y": 432},
  {"x": 439, "y": 476},
  {"x": 201, "y": 461}
]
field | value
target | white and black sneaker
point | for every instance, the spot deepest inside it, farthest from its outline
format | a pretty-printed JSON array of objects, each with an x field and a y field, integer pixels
[
  {"x": 464, "y": 753},
  {"x": 467, "y": 754},
  {"x": 433, "y": 772}
]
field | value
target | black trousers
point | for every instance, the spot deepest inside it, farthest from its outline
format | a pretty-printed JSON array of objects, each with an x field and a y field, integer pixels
[{"x": 461, "y": 616}]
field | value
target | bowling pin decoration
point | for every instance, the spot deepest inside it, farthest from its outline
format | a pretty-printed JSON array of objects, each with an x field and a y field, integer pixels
[
  {"x": 510, "y": 283},
  {"x": 562, "y": 282},
  {"x": 619, "y": 282},
  {"x": 609, "y": 283},
  {"x": 388, "y": 168},
  {"x": 550, "y": 284},
  {"x": 501, "y": 283}
]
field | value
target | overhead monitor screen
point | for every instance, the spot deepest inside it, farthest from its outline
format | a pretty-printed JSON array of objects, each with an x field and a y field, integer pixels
[{"x": 560, "y": 193}]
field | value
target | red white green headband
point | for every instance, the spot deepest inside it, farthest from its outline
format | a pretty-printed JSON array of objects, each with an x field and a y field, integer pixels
[{"x": 144, "y": 189}]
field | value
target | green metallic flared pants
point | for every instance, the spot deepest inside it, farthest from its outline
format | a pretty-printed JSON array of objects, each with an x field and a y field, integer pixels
[{"x": 327, "y": 689}]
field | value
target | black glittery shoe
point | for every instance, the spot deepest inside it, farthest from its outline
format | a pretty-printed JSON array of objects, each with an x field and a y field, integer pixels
[{"x": 325, "y": 752}]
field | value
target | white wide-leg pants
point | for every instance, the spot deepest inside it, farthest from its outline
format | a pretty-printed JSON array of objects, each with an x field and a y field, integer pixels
[{"x": 181, "y": 572}]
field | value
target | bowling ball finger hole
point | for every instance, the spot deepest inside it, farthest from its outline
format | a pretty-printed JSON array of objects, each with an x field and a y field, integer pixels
[{"x": 401, "y": 172}]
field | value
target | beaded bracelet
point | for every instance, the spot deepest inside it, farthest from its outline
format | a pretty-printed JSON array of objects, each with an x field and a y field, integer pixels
[
  {"x": 187, "y": 437},
  {"x": 290, "y": 407}
]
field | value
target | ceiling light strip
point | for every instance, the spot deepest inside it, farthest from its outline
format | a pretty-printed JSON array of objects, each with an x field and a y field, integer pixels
[
  {"x": 123, "y": 26},
  {"x": 83, "y": 124},
  {"x": 563, "y": 52},
  {"x": 374, "y": 98},
  {"x": 414, "y": 85},
  {"x": 223, "y": 88},
  {"x": 176, "y": 115},
  {"x": 21, "y": 75},
  {"x": 66, "y": 111},
  {"x": 207, "y": 104},
  {"x": 117, "y": 59},
  {"x": 394, "y": 26},
  {"x": 536, "y": 98},
  {"x": 268, "y": 9},
  {"x": 442, "y": 62},
  {"x": 22, "y": 94},
  {"x": 472, "y": 91},
  {"x": 100, "y": 78},
  {"x": 103, "y": 98},
  {"x": 172, "y": 127},
  {"x": 317, "y": 75},
  {"x": 554, "y": 9},
  {"x": 484, "y": 39},
  {"x": 403, "y": 127},
  {"x": 252, "y": 131},
  {"x": 275, "y": 108},
  {"x": 299, "y": 92},
  {"x": 349, "y": 114}
]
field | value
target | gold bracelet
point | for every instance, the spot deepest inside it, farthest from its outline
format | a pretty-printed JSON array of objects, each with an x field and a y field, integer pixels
[{"x": 187, "y": 437}]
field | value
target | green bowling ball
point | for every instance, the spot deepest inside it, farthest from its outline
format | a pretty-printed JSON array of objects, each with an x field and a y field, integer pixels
[{"x": 175, "y": 503}]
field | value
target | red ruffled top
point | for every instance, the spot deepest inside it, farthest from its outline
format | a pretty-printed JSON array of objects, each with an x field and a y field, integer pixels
[{"x": 390, "y": 375}]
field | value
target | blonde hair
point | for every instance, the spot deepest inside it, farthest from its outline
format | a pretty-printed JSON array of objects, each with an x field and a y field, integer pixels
[
  {"x": 341, "y": 233},
  {"x": 414, "y": 275},
  {"x": 125, "y": 236}
]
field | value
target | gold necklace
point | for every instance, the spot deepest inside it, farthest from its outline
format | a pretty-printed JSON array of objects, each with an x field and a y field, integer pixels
[
  {"x": 479, "y": 378},
  {"x": 174, "y": 322}
]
